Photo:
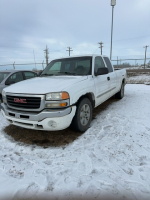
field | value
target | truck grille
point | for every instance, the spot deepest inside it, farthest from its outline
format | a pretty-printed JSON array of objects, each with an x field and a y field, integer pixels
[{"x": 24, "y": 102}]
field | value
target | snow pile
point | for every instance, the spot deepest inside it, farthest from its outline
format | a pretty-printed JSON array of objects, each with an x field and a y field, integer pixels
[
  {"x": 139, "y": 79},
  {"x": 112, "y": 157}
]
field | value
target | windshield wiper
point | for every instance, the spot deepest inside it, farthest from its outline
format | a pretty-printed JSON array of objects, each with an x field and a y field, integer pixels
[
  {"x": 47, "y": 74},
  {"x": 67, "y": 73}
]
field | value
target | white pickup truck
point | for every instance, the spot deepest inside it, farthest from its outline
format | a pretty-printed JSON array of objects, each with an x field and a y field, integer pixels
[{"x": 65, "y": 94}]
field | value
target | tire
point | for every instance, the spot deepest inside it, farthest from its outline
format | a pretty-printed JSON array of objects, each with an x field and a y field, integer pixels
[
  {"x": 83, "y": 116},
  {"x": 120, "y": 94},
  {"x": 1, "y": 100}
]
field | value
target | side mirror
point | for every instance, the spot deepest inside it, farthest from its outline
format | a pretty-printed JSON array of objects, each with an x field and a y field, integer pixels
[{"x": 101, "y": 71}]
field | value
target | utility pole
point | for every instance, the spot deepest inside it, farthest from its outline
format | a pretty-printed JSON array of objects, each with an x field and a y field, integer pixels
[
  {"x": 101, "y": 43},
  {"x": 113, "y": 3},
  {"x": 46, "y": 55},
  {"x": 69, "y": 49},
  {"x": 145, "y": 55}
]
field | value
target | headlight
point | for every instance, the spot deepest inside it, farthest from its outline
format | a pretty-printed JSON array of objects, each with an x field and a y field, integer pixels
[
  {"x": 3, "y": 93},
  {"x": 57, "y": 96}
]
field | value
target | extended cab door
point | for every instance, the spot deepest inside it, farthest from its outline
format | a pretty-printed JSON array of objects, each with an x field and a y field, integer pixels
[
  {"x": 112, "y": 77},
  {"x": 101, "y": 82}
]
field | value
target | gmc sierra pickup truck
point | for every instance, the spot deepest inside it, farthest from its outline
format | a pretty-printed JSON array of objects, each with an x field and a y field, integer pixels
[{"x": 65, "y": 94}]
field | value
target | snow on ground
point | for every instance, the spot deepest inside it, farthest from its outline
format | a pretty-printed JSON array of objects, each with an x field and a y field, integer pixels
[{"x": 112, "y": 157}]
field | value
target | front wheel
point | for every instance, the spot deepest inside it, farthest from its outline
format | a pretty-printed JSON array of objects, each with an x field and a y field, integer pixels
[
  {"x": 120, "y": 94},
  {"x": 83, "y": 116}
]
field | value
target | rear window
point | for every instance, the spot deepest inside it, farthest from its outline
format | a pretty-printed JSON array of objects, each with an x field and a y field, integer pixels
[
  {"x": 109, "y": 65},
  {"x": 29, "y": 75}
]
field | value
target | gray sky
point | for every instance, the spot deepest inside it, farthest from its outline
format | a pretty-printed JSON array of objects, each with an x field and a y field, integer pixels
[{"x": 27, "y": 25}]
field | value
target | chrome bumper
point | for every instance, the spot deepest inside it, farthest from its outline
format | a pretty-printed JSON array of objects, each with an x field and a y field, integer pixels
[{"x": 34, "y": 116}]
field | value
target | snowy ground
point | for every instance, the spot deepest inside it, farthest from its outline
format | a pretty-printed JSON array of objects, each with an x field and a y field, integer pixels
[
  {"x": 137, "y": 78},
  {"x": 112, "y": 157}
]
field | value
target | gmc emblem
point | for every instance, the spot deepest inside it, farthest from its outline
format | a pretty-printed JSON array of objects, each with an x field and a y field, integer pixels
[{"x": 20, "y": 100}]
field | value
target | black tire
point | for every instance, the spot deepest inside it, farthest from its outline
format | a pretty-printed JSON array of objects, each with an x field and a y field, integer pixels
[
  {"x": 1, "y": 100},
  {"x": 120, "y": 94},
  {"x": 83, "y": 116}
]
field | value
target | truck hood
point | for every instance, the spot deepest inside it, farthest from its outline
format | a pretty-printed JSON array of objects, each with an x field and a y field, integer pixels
[{"x": 43, "y": 85}]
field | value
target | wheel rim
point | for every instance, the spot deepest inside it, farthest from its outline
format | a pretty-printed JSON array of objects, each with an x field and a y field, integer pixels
[{"x": 85, "y": 114}]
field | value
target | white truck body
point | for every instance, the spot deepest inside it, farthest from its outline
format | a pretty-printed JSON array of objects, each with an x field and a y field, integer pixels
[{"x": 97, "y": 88}]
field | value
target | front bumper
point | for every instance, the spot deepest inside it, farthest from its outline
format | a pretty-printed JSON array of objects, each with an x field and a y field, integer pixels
[{"x": 45, "y": 120}]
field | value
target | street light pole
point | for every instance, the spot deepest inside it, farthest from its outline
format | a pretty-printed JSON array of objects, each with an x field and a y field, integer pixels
[
  {"x": 113, "y": 3},
  {"x": 145, "y": 55}
]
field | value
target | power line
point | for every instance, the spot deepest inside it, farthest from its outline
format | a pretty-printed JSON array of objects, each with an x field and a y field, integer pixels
[{"x": 74, "y": 47}]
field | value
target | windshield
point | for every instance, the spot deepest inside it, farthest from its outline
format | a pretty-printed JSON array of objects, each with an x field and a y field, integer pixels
[
  {"x": 3, "y": 75},
  {"x": 78, "y": 66}
]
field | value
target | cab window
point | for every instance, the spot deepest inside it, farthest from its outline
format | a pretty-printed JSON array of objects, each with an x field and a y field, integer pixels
[
  {"x": 109, "y": 65},
  {"x": 98, "y": 63}
]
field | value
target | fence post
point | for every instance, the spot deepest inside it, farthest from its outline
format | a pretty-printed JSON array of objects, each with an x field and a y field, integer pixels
[
  {"x": 14, "y": 65},
  {"x": 43, "y": 64},
  {"x": 117, "y": 61}
]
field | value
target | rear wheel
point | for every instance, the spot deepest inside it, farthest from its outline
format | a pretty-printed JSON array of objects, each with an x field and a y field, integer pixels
[
  {"x": 83, "y": 116},
  {"x": 120, "y": 94},
  {"x": 1, "y": 100}
]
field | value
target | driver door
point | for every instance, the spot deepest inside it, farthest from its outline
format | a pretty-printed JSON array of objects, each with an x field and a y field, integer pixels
[{"x": 101, "y": 82}]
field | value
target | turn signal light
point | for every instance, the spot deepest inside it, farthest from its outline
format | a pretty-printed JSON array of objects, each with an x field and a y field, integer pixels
[
  {"x": 63, "y": 104},
  {"x": 64, "y": 95},
  {"x": 55, "y": 105}
]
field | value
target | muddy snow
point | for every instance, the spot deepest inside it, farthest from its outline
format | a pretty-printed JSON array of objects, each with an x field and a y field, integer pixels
[{"x": 111, "y": 158}]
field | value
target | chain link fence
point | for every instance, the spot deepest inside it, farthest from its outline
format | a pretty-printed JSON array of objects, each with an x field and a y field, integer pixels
[
  {"x": 25, "y": 66},
  {"x": 118, "y": 63},
  {"x": 131, "y": 63}
]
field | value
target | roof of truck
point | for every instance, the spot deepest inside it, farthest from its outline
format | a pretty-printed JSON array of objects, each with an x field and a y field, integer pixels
[{"x": 81, "y": 56}]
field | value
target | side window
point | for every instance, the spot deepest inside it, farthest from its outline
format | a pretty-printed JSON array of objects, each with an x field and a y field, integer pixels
[
  {"x": 82, "y": 67},
  {"x": 67, "y": 66},
  {"x": 98, "y": 63},
  {"x": 14, "y": 78},
  {"x": 29, "y": 75},
  {"x": 108, "y": 63}
]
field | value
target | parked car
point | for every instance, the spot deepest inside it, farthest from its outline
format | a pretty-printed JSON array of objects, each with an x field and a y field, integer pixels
[
  {"x": 65, "y": 94},
  {"x": 8, "y": 77}
]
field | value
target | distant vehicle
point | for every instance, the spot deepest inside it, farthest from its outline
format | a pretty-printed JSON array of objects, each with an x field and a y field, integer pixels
[
  {"x": 8, "y": 77},
  {"x": 65, "y": 94}
]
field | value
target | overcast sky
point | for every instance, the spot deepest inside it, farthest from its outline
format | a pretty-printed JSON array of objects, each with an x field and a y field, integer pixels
[{"x": 30, "y": 25}]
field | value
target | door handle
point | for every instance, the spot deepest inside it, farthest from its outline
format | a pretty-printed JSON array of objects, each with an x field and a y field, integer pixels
[{"x": 108, "y": 78}]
